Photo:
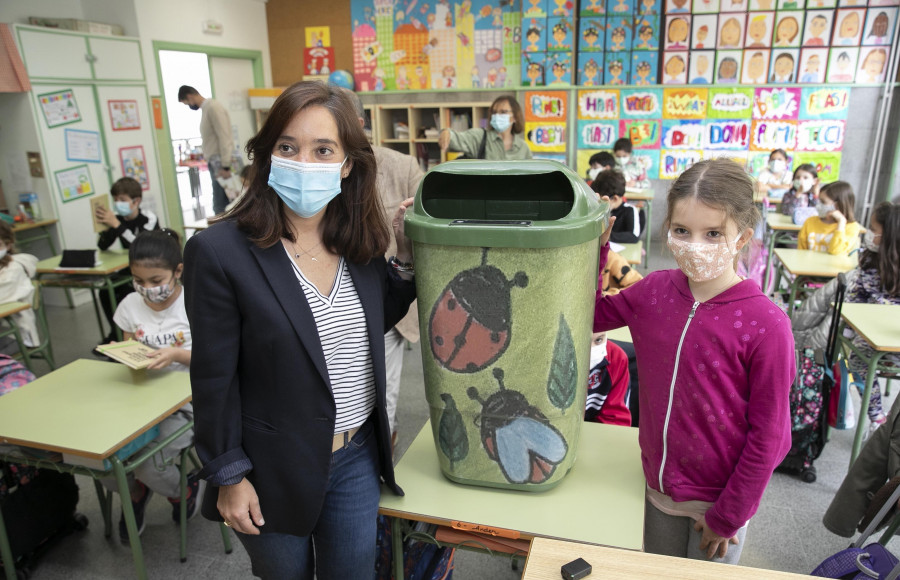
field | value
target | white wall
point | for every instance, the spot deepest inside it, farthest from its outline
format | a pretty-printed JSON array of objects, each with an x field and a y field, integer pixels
[
  {"x": 18, "y": 11},
  {"x": 244, "y": 23}
]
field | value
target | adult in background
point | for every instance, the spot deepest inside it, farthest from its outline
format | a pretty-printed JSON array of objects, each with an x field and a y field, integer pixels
[
  {"x": 289, "y": 298},
  {"x": 215, "y": 131},
  {"x": 502, "y": 139},
  {"x": 398, "y": 179}
]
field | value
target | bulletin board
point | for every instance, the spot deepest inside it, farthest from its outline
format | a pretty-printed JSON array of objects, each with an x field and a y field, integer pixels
[{"x": 671, "y": 129}]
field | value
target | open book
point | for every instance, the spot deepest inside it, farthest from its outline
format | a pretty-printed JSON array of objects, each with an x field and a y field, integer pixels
[{"x": 130, "y": 352}]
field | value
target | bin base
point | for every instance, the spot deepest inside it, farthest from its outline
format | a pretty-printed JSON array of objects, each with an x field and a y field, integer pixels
[{"x": 530, "y": 487}]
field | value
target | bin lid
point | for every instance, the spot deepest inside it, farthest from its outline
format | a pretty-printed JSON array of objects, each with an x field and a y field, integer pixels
[{"x": 533, "y": 203}]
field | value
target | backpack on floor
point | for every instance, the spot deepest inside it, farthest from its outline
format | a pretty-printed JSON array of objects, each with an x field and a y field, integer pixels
[
  {"x": 808, "y": 427},
  {"x": 422, "y": 560}
]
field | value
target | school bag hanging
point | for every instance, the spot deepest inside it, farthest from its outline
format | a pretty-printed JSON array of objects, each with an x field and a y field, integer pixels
[
  {"x": 808, "y": 401},
  {"x": 841, "y": 413}
]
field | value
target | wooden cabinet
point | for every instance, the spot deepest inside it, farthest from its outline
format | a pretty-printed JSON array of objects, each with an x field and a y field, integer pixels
[
  {"x": 413, "y": 128},
  {"x": 61, "y": 55}
]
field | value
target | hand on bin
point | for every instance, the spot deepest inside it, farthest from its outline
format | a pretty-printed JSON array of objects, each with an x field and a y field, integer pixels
[
  {"x": 404, "y": 245},
  {"x": 604, "y": 239}
]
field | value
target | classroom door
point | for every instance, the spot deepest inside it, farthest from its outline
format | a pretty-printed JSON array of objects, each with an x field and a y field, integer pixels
[{"x": 231, "y": 79}]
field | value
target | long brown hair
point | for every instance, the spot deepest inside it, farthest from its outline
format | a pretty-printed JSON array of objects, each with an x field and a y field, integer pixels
[
  {"x": 841, "y": 193},
  {"x": 353, "y": 225},
  {"x": 887, "y": 259}
]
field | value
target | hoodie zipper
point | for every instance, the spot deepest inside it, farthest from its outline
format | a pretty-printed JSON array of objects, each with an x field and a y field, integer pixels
[{"x": 662, "y": 465}]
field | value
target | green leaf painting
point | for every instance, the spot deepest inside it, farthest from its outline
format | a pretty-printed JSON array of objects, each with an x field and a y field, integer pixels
[
  {"x": 452, "y": 431},
  {"x": 563, "y": 380}
]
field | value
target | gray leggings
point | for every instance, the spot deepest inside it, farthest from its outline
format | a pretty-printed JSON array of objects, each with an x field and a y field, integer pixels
[{"x": 675, "y": 536}]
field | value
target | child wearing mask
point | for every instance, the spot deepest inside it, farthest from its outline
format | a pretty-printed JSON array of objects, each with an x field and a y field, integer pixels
[
  {"x": 775, "y": 179},
  {"x": 155, "y": 315},
  {"x": 804, "y": 189},
  {"x": 635, "y": 174},
  {"x": 16, "y": 272},
  {"x": 124, "y": 223},
  {"x": 607, "y": 383},
  {"x": 599, "y": 162},
  {"x": 835, "y": 229},
  {"x": 629, "y": 222},
  {"x": 716, "y": 360}
]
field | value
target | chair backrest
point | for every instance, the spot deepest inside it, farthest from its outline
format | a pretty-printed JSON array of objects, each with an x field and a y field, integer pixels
[{"x": 834, "y": 327}]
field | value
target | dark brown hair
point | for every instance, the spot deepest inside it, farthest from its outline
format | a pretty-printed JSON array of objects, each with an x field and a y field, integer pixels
[
  {"x": 353, "y": 225},
  {"x": 8, "y": 237},
  {"x": 518, "y": 119},
  {"x": 718, "y": 183},
  {"x": 841, "y": 193},
  {"x": 127, "y": 186},
  {"x": 887, "y": 259},
  {"x": 610, "y": 182}
]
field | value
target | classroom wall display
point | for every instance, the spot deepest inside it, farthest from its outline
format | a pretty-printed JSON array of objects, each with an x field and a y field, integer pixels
[
  {"x": 74, "y": 182},
  {"x": 760, "y": 5},
  {"x": 674, "y": 68},
  {"x": 728, "y": 66},
  {"x": 59, "y": 108},
  {"x": 678, "y": 6},
  {"x": 535, "y": 34},
  {"x": 842, "y": 64},
  {"x": 83, "y": 146},
  {"x": 733, "y": 6},
  {"x": 828, "y": 165},
  {"x": 590, "y": 70},
  {"x": 776, "y": 103},
  {"x": 820, "y": 135},
  {"x": 643, "y": 133},
  {"x": 533, "y": 68},
  {"x": 134, "y": 165},
  {"x": 591, "y": 36},
  {"x": 817, "y": 30},
  {"x": 848, "y": 26},
  {"x": 682, "y": 134},
  {"x": 673, "y": 162},
  {"x": 652, "y": 7},
  {"x": 879, "y": 30},
  {"x": 768, "y": 135},
  {"x": 677, "y": 31},
  {"x": 884, "y": 2},
  {"x": 731, "y": 30},
  {"x": 788, "y": 29},
  {"x": 872, "y": 64},
  {"x": 685, "y": 103},
  {"x": 618, "y": 33},
  {"x": 759, "y": 30},
  {"x": 644, "y": 68},
  {"x": 558, "y": 68},
  {"x": 733, "y": 103},
  {"x": 755, "y": 67},
  {"x": 812, "y": 65},
  {"x": 811, "y": 4},
  {"x": 123, "y": 115},
  {"x": 617, "y": 69},
  {"x": 784, "y": 65},
  {"x": 561, "y": 34},
  {"x": 843, "y": 3},
  {"x": 706, "y": 6},
  {"x": 617, "y": 7},
  {"x": 545, "y": 120},
  {"x": 646, "y": 33},
  {"x": 700, "y": 71},
  {"x": 704, "y": 31},
  {"x": 825, "y": 103},
  {"x": 641, "y": 103}
]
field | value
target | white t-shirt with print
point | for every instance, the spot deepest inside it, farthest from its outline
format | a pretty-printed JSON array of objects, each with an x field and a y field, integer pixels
[{"x": 169, "y": 327}]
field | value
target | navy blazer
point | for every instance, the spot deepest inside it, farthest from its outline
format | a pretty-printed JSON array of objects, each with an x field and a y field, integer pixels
[{"x": 260, "y": 385}]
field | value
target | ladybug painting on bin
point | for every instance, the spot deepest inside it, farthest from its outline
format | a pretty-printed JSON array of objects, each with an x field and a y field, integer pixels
[
  {"x": 517, "y": 435},
  {"x": 470, "y": 322}
]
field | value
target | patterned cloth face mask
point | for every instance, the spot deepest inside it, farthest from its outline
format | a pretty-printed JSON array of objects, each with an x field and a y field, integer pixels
[
  {"x": 155, "y": 294},
  {"x": 701, "y": 261}
]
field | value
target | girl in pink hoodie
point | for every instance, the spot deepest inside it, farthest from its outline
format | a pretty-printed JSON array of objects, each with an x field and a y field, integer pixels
[{"x": 716, "y": 362}]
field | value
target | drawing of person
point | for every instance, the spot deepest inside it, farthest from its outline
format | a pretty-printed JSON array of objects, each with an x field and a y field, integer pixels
[
  {"x": 645, "y": 34},
  {"x": 765, "y": 4},
  {"x": 618, "y": 38},
  {"x": 533, "y": 36},
  {"x": 677, "y": 33},
  {"x": 615, "y": 71},
  {"x": 816, "y": 29},
  {"x": 873, "y": 66},
  {"x": 728, "y": 70},
  {"x": 730, "y": 36},
  {"x": 843, "y": 74},
  {"x": 535, "y": 73},
  {"x": 811, "y": 70},
  {"x": 590, "y": 74},
  {"x": 378, "y": 74},
  {"x": 421, "y": 77},
  {"x": 501, "y": 77},
  {"x": 702, "y": 67},
  {"x": 560, "y": 68},
  {"x": 594, "y": 7},
  {"x": 621, "y": 6},
  {"x": 563, "y": 7},
  {"x": 756, "y": 69},
  {"x": 786, "y": 31},
  {"x": 534, "y": 9},
  {"x": 879, "y": 30},
  {"x": 702, "y": 33},
  {"x": 756, "y": 32},
  {"x": 402, "y": 81},
  {"x": 675, "y": 70},
  {"x": 492, "y": 79},
  {"x": 848, "y": 30},
  {"x": 678, "y": 7},
  {"x": 449, "y": 77},
  {"x": 643, "y": 73},
  {"x": 476, "y": 78},
  {"x": 590, "y": 35},
  {"x": 648, "y": 7},
  {"x": 783, "y": 69},
  {"x": 559, "y": 34}
]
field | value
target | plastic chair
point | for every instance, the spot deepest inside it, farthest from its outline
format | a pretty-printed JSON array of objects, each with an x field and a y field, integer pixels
[{"x": 187, "y": 457}]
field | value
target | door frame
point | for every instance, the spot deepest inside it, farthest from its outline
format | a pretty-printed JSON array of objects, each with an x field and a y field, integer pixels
[{"x": 166, "y": 162}]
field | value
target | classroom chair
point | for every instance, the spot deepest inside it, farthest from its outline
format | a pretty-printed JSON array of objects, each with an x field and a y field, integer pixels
[{"x": 187, "y": 458}]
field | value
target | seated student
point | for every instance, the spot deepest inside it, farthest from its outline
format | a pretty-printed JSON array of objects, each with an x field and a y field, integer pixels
[
  {"x": 775, "y": 179},
  {"x": 629, "y": 222},
  {"x": 124, "y": 223},
  {"x": 804, "y": 189},
  {"x": 155, "y": 315},
  {"x": 16, "y": 272},
  {"x": 635, "y": 174},
  {"x": 599, "y": 162},
  {"x": 834, "y": 230},
  {"x": 607, "y": 383}
]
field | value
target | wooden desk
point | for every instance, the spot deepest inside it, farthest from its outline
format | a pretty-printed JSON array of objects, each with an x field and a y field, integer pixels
[
  {"x": 98, "y": 278},
  {"x": 646, "y": 196},
  {"x": 779, "y": 229},
  {"x": 809, "y": 264},
  {"x": 7, "y": 310},
  {"x": 877, "y": 325},
  {"x": 547, "y": 556},
  {"x": 632, "y": 252},
  {"x": 91, "y": 410},
  {"x": 44, "y": 234},
  {"x": 608, "y": 467}
]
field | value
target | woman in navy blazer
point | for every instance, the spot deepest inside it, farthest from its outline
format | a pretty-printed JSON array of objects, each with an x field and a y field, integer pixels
[{"x": 289, "y": 298}]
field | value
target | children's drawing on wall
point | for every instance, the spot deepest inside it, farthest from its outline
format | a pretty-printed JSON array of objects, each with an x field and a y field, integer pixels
[
  {"x": 731, "y": 31},
  {"x": 560, "y": 67},
  {"x": 618, "y": 34},
  {"x": 560, "y": 34},
  {"x": 790, "y": 4},
  {"x": 733, "y": 6},
  {"x": 675, "y": 68},
  {"x": 842, "y": 65},
  {"x": 728, "y": 66},
  {"x": 644, "y": 68},
  {"x": 812, "y": 65},
  {"x": 872, "y": 65},
  {"x": 701, "y": 67},
  {"x": 535, "y": 41},
  {"x": 843, "y": 3},
  {"x": 590, "y": 8},
  {"x": 787, "y": 29},
  {"x": 592, "y": 34},
  {"x": 706, "y": 6},
  {"x": 651, "y": 7},
  {"x": 591, "y": 73},
  {"x": 678, "y": 6},
  {"x": 704, "y": 24},
  {"x": 760, "y": 5},
  {"x": 538, "y": 8},
  {"x": 848, "y": 26},
  {"x": 784, "y": 66},
  {"x": 616, "y": 69},
  {"x": 756, "y": 66},
  {"x": 533, "y": 69},
  {"x": 759, "y": 30},
  {"x": 619, "y": 7},
  {"x": 562, "y": 8},
  {"x": 817, "y": 31},
  {"x": 879, "y": 27},
  {"x": 677, "y": 28},
  {"x": 646, "y": 33},
  {"x": 884, "y": 3}
]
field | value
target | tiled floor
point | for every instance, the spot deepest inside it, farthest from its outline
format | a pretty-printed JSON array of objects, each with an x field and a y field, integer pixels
[{"x": 786, "y": 534}]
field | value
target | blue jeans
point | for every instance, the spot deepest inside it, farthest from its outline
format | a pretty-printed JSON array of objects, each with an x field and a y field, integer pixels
[{"x": 342, "y": 545}]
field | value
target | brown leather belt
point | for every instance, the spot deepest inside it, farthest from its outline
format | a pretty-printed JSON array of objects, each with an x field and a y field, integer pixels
[{"x": 341, "y": 440}]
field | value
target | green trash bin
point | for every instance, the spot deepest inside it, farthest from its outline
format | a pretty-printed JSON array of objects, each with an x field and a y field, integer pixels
[{"x": 506, "y": 273}]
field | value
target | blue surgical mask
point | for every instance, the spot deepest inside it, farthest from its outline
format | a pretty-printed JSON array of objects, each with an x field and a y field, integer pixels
[
  {"x": 500, "y": 122},
  {"x": 122, "y": 208},
  {"x": 306, "y": 188}
]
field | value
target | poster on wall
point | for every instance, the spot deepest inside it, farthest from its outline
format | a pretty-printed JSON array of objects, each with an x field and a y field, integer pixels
[
  {"x": 545, "y": 120},
  {"x": 59, "y": 108},
  {"x": 776, "y": 103},
  {"x": 74, "y": 182},
  {"x": 123, "y": 115},
  {"x": 134, "y": 165},
  {"x": 82, "y": 146},
  {"x": 673, "y": 163},
  {"x": 598, "y": 104},
  {"x": 828, "y": 165},
  {"x": 734, "y": 103},
  {"x": 685, "y": 103},
  {"x": 825, "y": 103},
  {"x": 641, "y": 103}
]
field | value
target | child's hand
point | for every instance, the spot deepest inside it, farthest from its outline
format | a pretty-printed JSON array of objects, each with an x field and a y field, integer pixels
[
  {"x": 164, "y": 357},
  {"x": 604, "y": 239},
  {"x": 714, "y": 544},
  {"x": 106, "y": 217},
  {"x": 404, "y": 246}
]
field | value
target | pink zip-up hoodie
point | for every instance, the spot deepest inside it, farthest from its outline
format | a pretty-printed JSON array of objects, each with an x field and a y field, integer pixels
[{"x": 715, "y": 390}]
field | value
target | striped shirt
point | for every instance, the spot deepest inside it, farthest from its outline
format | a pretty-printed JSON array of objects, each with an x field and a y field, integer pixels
[{"x": 341, "y": 324}]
